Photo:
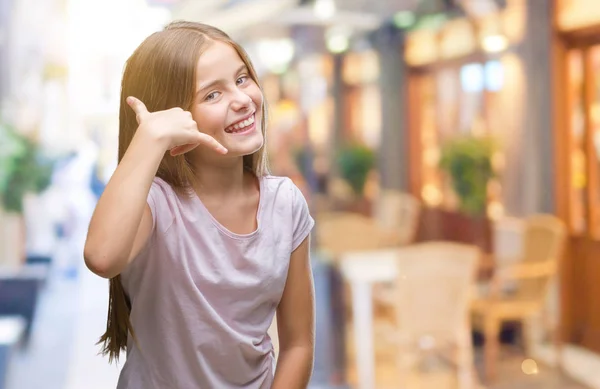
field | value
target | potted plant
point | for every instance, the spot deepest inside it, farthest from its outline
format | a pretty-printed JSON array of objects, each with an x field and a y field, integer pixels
[
  {"x": 468, "y": 163},
  {"x": 354, "y": 163},
  {"x": 24, "y": 169}
]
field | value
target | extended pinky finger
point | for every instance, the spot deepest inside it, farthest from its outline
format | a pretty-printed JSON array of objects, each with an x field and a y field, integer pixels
[{"x": 212, "y": 143}]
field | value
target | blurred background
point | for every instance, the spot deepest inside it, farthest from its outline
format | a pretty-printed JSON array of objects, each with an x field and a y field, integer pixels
[{"x": 449, "y": 151}]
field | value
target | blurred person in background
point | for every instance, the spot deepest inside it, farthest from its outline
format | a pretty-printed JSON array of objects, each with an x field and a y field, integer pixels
[
  {"x": 202, "y": 246},
  {"x": 74, "y": 197}
]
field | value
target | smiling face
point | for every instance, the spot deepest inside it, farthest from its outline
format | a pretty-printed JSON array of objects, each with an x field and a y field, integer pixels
[{"x": 228, "y": 102}]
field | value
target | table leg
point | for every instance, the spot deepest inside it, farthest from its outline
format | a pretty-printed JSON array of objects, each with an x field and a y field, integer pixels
[{"x": 363, "y": 334}]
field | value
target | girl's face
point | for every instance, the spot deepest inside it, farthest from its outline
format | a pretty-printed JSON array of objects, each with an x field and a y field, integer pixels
[{"x": 228, "y": 103}]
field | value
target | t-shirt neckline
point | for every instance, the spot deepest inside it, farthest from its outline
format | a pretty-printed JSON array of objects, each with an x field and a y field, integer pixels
[{"x": 224, "y": 229}]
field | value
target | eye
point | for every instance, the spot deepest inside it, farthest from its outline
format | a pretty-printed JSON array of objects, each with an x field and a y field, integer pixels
[
  {"x": 241, "y": 80},
  {"x": 212, "y": 96}
]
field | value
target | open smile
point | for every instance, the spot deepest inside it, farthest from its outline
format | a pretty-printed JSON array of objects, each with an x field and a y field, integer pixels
[{"x": 244, "y": 126}]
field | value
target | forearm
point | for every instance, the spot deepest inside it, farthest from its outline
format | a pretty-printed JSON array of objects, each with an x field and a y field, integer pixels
[
  {"x": 119, "y": 211},
  {"x": 294, "y": 367}
]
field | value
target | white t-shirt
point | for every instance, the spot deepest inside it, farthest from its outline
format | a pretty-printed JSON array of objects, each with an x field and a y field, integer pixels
[{"x": 203, "y": 297}]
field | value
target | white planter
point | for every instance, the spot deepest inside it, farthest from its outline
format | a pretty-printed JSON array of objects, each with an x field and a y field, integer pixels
[
  {"x": 12, "y": 240},
  {"x": 40, "y": 213}
]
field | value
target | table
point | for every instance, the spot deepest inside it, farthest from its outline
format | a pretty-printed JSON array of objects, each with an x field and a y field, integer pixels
[{"x": 361, "y": 270}]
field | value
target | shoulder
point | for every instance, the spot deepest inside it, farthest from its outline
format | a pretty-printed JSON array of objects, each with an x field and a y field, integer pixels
[
  {"x": 282, "y": 189},
  {"x": 270, "y": 181},
  {"x": 160, "y": 193},
  {"x": 160, "y": 186},
  {"x": 292, "y": 205},
  {"x": 283, "y": 192}
]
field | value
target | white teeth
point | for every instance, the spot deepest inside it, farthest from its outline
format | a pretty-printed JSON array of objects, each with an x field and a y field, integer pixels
[{"x": 240, "y": 125}]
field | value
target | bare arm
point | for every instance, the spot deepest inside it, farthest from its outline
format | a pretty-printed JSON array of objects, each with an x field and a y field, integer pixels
[
  {"x": 122, "y": 221},
  {"x": 296, "y": 323}
]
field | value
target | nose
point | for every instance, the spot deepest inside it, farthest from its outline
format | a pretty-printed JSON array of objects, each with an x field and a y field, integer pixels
[{"x": 241, "y": 100}]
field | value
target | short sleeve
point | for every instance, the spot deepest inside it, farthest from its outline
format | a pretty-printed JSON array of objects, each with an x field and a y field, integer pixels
[
  {"x": 160, "y": 200},
  {"x": 301, "y": 218},
  {"x": 152, "y": 203}
]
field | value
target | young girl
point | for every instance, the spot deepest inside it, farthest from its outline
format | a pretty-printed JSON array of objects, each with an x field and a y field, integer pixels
[{"x": 201, "y": 245}]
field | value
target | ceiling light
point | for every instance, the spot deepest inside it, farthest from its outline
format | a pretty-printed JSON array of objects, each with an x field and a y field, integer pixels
[
  {"x": 494, "y": 43},
  {"x": 324, "y": 9},
  {"x": 338, "y": 44},
  {"x": 337, "y": 39},
  {"x": 276, "y": 54}
]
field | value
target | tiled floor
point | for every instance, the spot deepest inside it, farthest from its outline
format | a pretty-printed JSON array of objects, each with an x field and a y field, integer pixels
[
  {"x": 49, "y": 349},
  {"x": 511, "y": 378},
  {"x": 62, "y": 353},
  {"x": 511, "y": 375},
  {"x": 510, "y": 372}
]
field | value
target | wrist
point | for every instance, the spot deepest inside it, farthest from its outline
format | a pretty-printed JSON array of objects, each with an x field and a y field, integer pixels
[{"x": 151, "y": 139}]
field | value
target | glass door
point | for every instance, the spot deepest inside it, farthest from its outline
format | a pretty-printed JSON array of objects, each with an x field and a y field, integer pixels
[
  {"x": 593, "y": 122},
  {"x": 584, "y": 140},
  {"x": 577, "y": 151}
]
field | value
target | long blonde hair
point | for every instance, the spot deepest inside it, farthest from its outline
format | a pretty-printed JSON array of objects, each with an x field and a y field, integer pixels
[{"x": 162, "y": 73}]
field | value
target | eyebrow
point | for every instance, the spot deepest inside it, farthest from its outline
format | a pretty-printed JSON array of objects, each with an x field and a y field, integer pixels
[{"x": 216, "y": 82}]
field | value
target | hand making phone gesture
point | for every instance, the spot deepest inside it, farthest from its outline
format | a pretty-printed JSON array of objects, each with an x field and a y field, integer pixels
[{"x": 175, "y": 127}]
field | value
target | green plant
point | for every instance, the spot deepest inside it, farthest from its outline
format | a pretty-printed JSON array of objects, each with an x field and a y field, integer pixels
[
  {"x": 23, "y": 168},
  {"x": 354, "y": 164},
  {"x": 468, "y": 163}
]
